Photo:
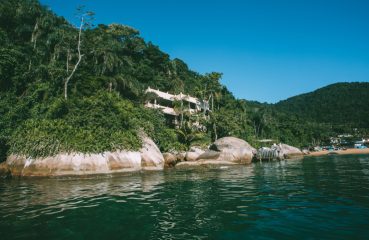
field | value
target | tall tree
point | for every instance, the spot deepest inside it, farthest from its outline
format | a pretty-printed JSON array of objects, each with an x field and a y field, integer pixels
[{"x": 85, "y": 18}]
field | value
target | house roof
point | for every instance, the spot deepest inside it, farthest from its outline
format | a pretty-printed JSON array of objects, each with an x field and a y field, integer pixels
[{"x": 172, "y": 97}]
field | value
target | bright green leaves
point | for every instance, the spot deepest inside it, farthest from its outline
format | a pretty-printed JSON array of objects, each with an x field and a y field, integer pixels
[{"x": 41, "y": 138}]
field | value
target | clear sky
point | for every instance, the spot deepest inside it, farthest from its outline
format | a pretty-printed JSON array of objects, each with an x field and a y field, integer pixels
[{"x": 268, "y": 50}]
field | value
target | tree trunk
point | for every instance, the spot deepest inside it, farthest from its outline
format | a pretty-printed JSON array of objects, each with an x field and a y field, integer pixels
[
  {"x": 256, "y": 129},
  {"x": 68, "y": 56},
  {"x": 181, "y": 123},
  {"x": 34, "y": 35},
  {"x": 78, "y": 62},
  {"x": 212, "y": 102},
  {"x": 215, "y": 131}
]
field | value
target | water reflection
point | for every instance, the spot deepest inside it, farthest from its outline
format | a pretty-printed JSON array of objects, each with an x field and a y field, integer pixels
[
  {"x": 56, "y": 195},
  {"x": 312, "y": 196}
]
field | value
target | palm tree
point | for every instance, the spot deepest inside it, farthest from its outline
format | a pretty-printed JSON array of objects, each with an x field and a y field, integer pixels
[
  {"x": 128, "y": 84},
  {"x": 188, "y": 134},
  {"x": 179, "y": 109}
]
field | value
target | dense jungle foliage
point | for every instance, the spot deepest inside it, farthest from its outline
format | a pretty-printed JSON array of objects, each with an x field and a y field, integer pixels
[
  {"x": 66, "y": 88},
  {"x": 340, "y": 104}
]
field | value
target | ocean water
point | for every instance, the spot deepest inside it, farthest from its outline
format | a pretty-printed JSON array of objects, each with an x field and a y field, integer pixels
[{"x": 313, "y": 198}]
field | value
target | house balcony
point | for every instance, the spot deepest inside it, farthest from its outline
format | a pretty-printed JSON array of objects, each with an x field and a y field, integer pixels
[{"x": 164, "y": 109}]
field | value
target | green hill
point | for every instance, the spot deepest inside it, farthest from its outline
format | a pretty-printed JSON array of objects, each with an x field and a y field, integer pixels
[
  {"x": 65, "y": 88},
  {"x": 340, "y": 104}
]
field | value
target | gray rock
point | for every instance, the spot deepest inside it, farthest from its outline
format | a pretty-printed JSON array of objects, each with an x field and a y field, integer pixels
[
  {"x": 191, "y": 156},
  {"x": 231, "y": 143},
  {"x": 197, "y": 149},
  {"x": 170, "y": 160},
  {"x": 181, "y": 156},
  {"x": 152, "y": 158},
  {"x": 233, "y": 150},
  {"x": 237, "y": 155},
  {"x": 209, "y": 155},
  {"x": 148, "y": 158},
  {"x": 205, "y": 163},
  {"x": 4, "y": 170},
  {"x": 290, "y": 151}
]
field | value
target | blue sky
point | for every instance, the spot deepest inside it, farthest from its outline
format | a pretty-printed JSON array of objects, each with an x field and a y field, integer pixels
[{"x": 268, "y": 50}]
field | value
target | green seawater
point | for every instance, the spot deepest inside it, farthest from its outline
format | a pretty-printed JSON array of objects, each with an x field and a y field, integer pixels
[{"x": 312, "y": 198}]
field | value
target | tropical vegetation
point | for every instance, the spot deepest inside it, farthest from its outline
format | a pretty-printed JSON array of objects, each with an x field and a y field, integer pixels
[{"x": 66, "y": 88}]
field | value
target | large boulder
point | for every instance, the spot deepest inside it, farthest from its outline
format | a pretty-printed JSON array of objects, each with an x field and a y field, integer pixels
[
  {"x": 227, "y": 150},
  {"x": 290, "y": 152},
  {"x": 181, "y": 156},
  {"x": 121, "y": 160},
  {"x": 170, "y": 160},
  {"x": 209, "y": 155},
  {"x": 197, "y": 149},
  {"x": 205, "y": 163},
  {"x": 4, "y": 170},
  {"x": 193, "y": 154},
  {"x": 75, "y": 164},
  {"x": 231, "y": 143},
  {"x": 147, "y": 158},
  {"x": 152, "y": 158},
  {"x": 237, "y": 155}
]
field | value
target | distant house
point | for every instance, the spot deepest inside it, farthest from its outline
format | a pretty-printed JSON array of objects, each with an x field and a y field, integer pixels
[
  {"x": 359, "y": 144},
  {"x": 346, "y": 135},
  {"x": 334, "y": 140},
  {"x": 166, "y": 103}
]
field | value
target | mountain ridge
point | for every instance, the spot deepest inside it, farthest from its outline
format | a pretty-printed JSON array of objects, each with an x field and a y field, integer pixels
[
  {"x": 338, "y": 103},
  {"x": 105, "y": 109}
]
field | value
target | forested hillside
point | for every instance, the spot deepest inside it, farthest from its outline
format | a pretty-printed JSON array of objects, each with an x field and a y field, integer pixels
[
  {"x": 340, "y": 104},
  {"x": 81, "y": 88},
  {"x": 67, "y": 88}
]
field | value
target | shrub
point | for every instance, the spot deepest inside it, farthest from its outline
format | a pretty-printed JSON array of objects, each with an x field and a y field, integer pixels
[{"x": 41, "y": 138}]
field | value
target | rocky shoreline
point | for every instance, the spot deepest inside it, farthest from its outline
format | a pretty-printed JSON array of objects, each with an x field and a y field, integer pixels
[
  {"x": 339, "y": 152},
  {"x": 224, "y": 151}
]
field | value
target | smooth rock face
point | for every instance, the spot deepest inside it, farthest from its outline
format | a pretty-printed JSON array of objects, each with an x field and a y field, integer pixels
[
  {"x": 237, "y": 155},
  {"x": 291, "y": 152},
  {"x": 193, "y": 154},
  {"x": 229, "y": 149},
  {"x": 231, "y": 143},
  {"x": 181, "y": 156},
  {"x": 209, "y": 155},
  {"x": 4, "y": 170},
  {"x": 208, "y": 162},
  {"x": 197, "y": 150},
  {"x": 152, "y": 158},
  {"x": 169, "y": 159},
  {"x": 148, "y": 158},
  {"x": 124, "y": 160}
]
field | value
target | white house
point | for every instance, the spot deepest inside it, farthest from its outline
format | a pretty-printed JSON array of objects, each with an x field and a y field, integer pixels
[{"x": 165, "y": 102}]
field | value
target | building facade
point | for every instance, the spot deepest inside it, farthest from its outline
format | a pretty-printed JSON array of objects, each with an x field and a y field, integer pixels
[{"x": 173, "y": 106}]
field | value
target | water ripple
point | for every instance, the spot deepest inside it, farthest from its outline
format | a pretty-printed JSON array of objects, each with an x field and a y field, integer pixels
[{"x": 313, "y": 198}]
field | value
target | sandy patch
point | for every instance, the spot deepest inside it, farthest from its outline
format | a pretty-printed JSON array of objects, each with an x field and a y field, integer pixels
[{"x": 341, "y": 152}]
